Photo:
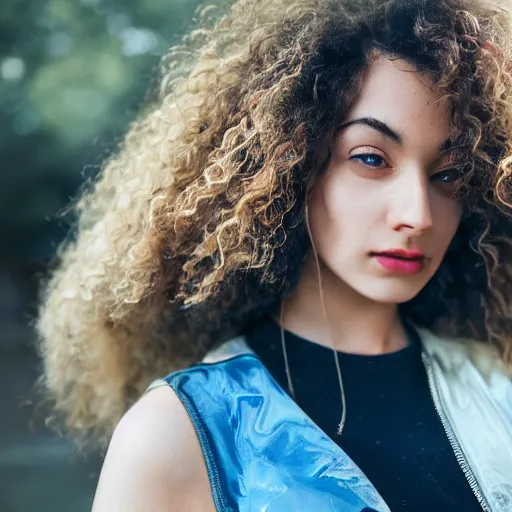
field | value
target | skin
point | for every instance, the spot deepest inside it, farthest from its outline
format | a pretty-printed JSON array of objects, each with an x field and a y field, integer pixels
[
  {"x": 393, "y": 199},
  {"x": 154, "y": 462},
  {"x": 378, "y": 193}
]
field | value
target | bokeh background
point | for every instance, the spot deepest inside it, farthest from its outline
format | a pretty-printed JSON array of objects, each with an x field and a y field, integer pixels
[{"x": 73, "y": 74}]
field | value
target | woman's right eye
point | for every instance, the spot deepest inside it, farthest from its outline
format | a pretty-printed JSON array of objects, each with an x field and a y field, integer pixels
[{"x": 370, "y": 159}]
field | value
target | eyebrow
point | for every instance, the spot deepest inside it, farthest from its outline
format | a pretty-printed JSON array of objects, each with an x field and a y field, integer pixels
[{"x": 388, "y": 132}]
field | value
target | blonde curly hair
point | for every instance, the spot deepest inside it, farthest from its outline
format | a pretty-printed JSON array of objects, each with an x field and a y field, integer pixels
[{"x": 196, "y": 226}]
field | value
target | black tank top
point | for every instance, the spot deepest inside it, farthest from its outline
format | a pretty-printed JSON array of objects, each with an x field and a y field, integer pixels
[{"x": 392, "y": 430}]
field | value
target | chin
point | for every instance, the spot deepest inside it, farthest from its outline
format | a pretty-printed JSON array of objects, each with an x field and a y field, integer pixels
[{"x": 392, "y": 293}]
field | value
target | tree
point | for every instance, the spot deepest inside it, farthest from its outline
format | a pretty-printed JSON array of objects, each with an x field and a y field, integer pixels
[{"x": 72, "y": 76}]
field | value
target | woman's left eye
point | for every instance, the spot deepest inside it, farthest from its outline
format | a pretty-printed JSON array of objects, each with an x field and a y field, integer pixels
[
  {"x": 447, "y": 176},
  {"x": 369, "y": 159}
]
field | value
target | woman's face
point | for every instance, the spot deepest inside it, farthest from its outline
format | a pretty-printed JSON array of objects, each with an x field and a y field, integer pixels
[{"x": 383, "y": 215}]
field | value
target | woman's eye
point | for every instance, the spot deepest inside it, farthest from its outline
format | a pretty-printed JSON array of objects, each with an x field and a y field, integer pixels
[
  {"x": 369, "y": 159},
  {"x": 448, "y": 181},
  {"x": 448, "y": 176}
]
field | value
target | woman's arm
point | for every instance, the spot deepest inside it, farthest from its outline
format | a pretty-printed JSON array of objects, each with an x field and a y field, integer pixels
[{"x": 154, "y": 462}]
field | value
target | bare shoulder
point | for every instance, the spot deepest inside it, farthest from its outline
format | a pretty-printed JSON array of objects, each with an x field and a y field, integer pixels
[{"x": 154, "y": 461}]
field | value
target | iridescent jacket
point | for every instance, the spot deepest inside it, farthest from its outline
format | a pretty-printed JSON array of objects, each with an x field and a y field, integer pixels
[{"x": 264, "y": 454}]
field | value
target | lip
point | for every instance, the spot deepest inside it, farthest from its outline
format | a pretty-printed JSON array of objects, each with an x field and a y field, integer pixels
[
  {"x": 400, "y": 261},
  {"x": 401, "y": 253}
]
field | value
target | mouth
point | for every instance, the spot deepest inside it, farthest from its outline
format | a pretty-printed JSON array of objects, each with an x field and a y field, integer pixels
[{"x": 400, "y": 261}]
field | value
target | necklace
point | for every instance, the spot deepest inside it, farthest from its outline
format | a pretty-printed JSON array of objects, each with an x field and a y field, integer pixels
[
  {"x": 285, "y": 352},
  {"x": 291, "y": 388}
]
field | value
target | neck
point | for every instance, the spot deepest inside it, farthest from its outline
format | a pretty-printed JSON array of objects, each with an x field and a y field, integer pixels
[{"x": 355, "y": 324}]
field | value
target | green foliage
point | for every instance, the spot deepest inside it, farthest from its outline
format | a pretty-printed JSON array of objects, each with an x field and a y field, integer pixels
[{"x": 73, "y": 74}]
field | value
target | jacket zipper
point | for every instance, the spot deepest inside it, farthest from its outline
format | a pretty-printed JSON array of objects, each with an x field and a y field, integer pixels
[{"x": 450, "y": 434}]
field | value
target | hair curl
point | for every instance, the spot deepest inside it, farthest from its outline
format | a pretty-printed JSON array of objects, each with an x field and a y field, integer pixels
[{"x": 196, "y": 225}]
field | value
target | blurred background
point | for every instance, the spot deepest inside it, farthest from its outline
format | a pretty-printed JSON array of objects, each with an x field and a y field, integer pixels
[{"x": 73, "y": 74}]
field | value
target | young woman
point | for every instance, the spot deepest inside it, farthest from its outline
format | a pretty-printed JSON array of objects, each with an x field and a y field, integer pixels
[{"x": 309, "y": 232}]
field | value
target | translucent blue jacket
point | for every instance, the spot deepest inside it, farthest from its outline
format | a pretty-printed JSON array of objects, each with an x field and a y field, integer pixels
[{"x": 262, "y": 452}]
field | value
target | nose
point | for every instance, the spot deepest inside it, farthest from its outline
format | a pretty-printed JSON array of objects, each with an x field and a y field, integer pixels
[{"x": 411, "y": 209}]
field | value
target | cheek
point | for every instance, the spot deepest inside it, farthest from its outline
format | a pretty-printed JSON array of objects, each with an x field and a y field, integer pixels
[
  {"x": 338, "y": 213},
  {"x": 448, "y": 216}
]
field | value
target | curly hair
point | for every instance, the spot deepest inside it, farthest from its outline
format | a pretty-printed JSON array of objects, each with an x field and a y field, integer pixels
[{"x": 196, "y": 226}]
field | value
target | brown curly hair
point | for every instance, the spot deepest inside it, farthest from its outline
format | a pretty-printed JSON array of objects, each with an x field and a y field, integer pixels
[{"x": 196, "y": 226}]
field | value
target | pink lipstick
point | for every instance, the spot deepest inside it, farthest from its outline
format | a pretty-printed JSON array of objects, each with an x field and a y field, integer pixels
[{"x": 400, "y": 261}]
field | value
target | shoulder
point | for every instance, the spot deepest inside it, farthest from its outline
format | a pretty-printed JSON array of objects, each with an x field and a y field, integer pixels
[
  {"x": 461, "y": 360},
  {"x": 228, "y": 350},
  {"x": 154, "y": 461},
  {"x": 229, "y": 368},
  {"x": 454, "y": 353}
]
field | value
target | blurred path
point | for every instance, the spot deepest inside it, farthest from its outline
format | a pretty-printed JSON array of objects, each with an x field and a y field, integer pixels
[{"x": 38, "y": 470}]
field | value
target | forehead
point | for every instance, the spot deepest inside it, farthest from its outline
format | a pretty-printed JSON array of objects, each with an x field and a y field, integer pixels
[{"x": 405, "y": 99}]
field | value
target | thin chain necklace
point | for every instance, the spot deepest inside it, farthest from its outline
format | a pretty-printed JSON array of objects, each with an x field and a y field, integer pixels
[{"x": 291, "y": 388}]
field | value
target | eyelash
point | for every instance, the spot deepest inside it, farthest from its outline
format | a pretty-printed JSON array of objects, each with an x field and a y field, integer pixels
[
  {"x": 454, "y": 171},
  {"x": 361, "y": 157}
]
